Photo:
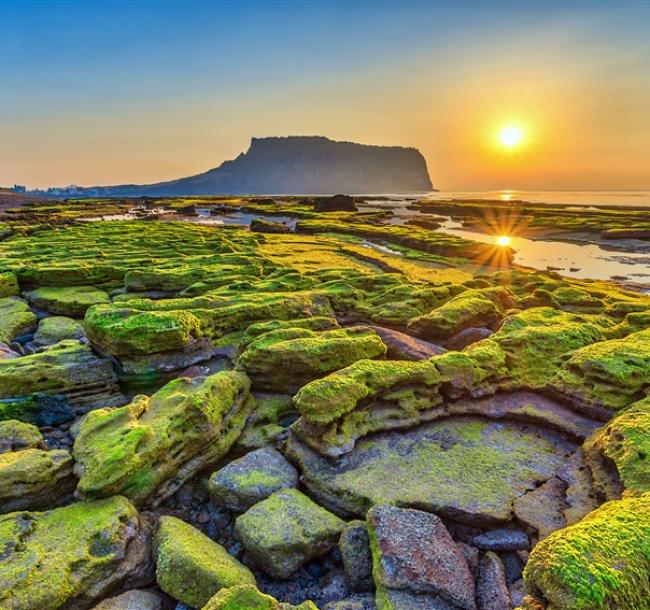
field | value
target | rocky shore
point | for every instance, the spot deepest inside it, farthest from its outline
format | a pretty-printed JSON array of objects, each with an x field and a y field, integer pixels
[{"x": 337, "y": 414}]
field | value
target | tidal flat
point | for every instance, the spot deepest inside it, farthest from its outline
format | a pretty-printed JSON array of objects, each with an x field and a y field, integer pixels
[{"x": 229, "y": 403}]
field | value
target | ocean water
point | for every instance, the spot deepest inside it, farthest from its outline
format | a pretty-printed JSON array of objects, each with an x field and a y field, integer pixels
[{"x": 633, "y": 198}]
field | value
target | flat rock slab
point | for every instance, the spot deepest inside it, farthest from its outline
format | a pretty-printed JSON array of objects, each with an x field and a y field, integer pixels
[
  {"x": 470, "y": 468},
  {"x": 405, "y": 347},
  {"x": 415, "y": 557}
]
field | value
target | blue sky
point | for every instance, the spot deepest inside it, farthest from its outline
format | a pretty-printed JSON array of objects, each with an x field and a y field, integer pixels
[{"x": 111, "y": 92}]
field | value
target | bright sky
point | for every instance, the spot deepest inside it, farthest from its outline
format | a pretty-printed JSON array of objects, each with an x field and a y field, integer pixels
[{"x": 117, "y": 92}]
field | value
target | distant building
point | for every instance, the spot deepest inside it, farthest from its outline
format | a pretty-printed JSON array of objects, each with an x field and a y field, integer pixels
[{"x": 19, "y": 188}]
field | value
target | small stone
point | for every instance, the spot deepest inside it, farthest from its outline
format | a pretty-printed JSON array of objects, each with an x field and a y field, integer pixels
[
  {"x": 354, "y": 546},
  {"x": 203, "y": 517},
  {"x": 413, "y": 551},
  {"x": 491, "y": 588},
  {"x": 517, "y": 592},
  {"x": 133, "y": 600},
  {"x": 356, "y": 602},
  {"x": 285, "y": 531},
  {"x": 502, "y": 540},
  {"x": 192, "y": 568},
  {"x": 513, "y": 565},
  {"x": 467, "y": 336},
  {"x": 251, "y": 479},
  {"x": 471, "y": 555}
]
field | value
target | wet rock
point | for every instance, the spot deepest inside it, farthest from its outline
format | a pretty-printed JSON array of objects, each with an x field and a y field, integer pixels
[
  {"x": 513, "y": 565},
  {"x": 404, "y": 347},
  {"x": 284, "y": 360},
  {"x": 286, "y": 530},
  {"x": 607, "y": 549},
  {"x": 260, "y": 225},
  {"x": 16, "y": 436},
  {"x": 467, "y": 336},
  {"x": 416, "y": 561},
  {"x": 32, "y": 479},
  {"x": 354, "y": 546},
  {"x": 71, "y": 557},
  {"x": 38, "y": 409},
  {"x": 53, "y": 329},
  {"x": 502, "y": 540},
  {"x": 491, "y": 588},
  {"x": 251, "y": 479},
  {"x": 192, "y": 568},
  {"x": 431, "y": 464},
  {"x": 158, "y": 443},
  {"x": 134, "y": 600},
  {"x": 543, "y": 508},
  {"x": 68, "y": 300}
]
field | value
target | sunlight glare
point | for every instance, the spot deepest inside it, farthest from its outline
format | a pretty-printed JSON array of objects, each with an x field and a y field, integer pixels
[
  {"x": 511, "y": 136},
  {"x": 503, "y": 240}
]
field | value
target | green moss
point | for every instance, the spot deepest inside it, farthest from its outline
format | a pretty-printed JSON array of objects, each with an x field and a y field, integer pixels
[
  {"x": 52, "y": 558},
  {"x": 137, "y": 450},
  {"x": 15, "y": 318},
  {"x": 286, "y": 359},
  {"x": 600, "y": 563},
  {"x": 8, "y": 284},
  {"x": 67, "y": 301},
  {"x": 625, "y": 440},
  {"x": 192, "y": 568},
  {"x": 53, "y": 329}
]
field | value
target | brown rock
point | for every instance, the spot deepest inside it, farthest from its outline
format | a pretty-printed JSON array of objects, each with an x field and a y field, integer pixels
[
  {"x": 543, "y": 508},
  {"x": 491, "y": 587},
  {"x": 405, "y": 347}
]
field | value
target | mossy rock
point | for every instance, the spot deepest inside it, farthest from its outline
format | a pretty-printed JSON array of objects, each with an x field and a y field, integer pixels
[
  {"x": 286, "y": 530},
  {"x": 58, "y": 328},
  {"x": 625, "y": 442},
  {"x": 192, "y": 568},
  {"x": 15, "y": 318},
  {"x": 286, "y": 359},
  {"x": 8, "y": 284},
  {"x": 608, "y": 375},
  {"x": 67, "y": 300},
  {"x": 38, "y": 409},
  {"x": 71, "y": 557},
  {"x": 248, "y": 597},
  {"x": 600, "y": 563},
  {"x": 149, "y": 448},
  {"x": 475, "y": 307},
  {"x": 16, "y": 435}
]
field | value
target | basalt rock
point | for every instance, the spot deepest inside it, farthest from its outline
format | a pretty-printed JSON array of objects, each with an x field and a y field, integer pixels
[
  {"x": 149, "y": 448},
  {"x": 69, "y": 558}
]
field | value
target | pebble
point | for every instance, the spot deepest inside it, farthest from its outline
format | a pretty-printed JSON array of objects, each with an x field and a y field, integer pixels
[{"x": 502, "y": 540}]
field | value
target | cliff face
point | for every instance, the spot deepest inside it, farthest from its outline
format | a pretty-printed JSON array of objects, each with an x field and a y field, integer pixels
[{"x": 299, "y": 165}]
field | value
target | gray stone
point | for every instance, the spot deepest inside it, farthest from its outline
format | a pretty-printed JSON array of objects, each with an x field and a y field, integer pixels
[
  {"x": 356, "y": 602},
  {"x": 471, "y": 555},
  {"x": 251, "y": 479},
  {"x": 502, "y": 540},
  {"x": 467, "y": 336},
  {"x": 416, "y": 560},
  {"x": 491, "y": 587},
  {"x": 354, "y": 546},
  {"x": 133, "y": 600},
  {"x": 543, "y": 508},
  {"x": 405, "y": 347}
]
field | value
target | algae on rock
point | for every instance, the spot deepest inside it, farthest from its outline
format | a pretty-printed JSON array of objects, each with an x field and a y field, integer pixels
[{"x": 149, "y": 448}]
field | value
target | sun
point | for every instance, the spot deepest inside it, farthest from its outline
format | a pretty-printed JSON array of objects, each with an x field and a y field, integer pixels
[
  {"x": 503, "y": 240},
  {"x": 511, "y": 136}
]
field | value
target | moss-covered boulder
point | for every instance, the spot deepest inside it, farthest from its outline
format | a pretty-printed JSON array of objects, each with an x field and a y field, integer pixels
[
  {"x": 16, "y": 435},
  {"x": 608, "y": 375},
  {"x": 38, "y": 409},
  {"x": 467, "y": 468},
  {"x": 67, "y": 300},
  {"x": 251, "y": 479},
  {"x": 8, "y": 284},
  {"x": 625, "y": 442},
  {"x": 474, "y": 307},
  {"x": 286, "y": 530},
  {"x": 67, "y": 369},
  {"x": 260, "y": 225},
  {"x": 192, "y": 568},
  {"x": 248, "y": 597},
  {"x": 57, "y": 328},
  {"x": 285, "y": 360},
  {"x": 600, "y": 563},
  {"x": 71, "y": 557},
  {"x": 15, "y": 318},
  {"x": 149, "y": 448},
  {"x": 35, "y": 479}
]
